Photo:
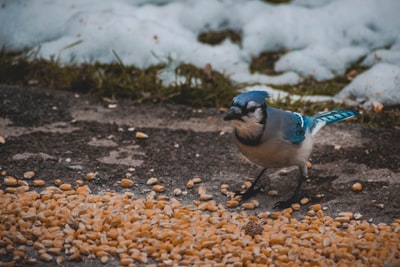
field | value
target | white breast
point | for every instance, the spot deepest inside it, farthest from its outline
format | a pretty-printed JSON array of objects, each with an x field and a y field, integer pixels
[{"x": 278, "y": 153}]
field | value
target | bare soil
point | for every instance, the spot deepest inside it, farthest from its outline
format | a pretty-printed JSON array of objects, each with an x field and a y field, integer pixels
[{"x": 61, "y": 135}]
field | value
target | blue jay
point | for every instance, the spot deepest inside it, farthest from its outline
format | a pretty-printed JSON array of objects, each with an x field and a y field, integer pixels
[{"x": 275, "y": 138}]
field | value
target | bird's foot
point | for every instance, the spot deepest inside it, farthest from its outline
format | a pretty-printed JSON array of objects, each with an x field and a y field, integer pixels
[
  {"x": 250, "y": 192},
  {"x": 288, "y": 203}
]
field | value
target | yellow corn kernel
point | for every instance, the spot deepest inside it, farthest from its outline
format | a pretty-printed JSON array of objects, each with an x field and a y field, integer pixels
[{"x": 125, "y": 182}]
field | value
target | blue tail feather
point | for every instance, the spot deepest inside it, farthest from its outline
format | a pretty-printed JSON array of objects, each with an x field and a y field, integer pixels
[{"x": 324, "y": 118}]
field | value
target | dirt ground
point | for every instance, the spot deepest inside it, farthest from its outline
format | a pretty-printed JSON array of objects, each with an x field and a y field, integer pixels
[{"x": 61, "y": 135}]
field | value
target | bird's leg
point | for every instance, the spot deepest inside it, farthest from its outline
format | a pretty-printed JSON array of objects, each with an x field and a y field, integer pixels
[
  {"x": 296, "y": 196},
  {"x": 252, "y": 190}
]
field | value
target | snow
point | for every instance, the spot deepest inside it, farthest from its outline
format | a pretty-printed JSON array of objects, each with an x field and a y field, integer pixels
[
  {"x": 380, "y": 84},
  {"x": 322, "y": 37}
]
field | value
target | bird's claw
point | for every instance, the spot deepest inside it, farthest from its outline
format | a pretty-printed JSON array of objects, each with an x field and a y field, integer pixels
[
  {"x": 283, "y": 204},
  {"x": 250, "y": 192},
  {"x": 288, "y": 203}
]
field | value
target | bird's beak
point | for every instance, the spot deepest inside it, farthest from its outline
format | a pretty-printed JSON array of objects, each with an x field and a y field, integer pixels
[{"x": 234, "y": 113}]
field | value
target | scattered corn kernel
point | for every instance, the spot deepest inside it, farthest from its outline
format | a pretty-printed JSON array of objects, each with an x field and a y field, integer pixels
[
  {"x": 296, "y": 206},
  {"x": 272, "y": 193},
  {"x": 196, "y": 180},
  {"x": 158, "y": 188},
  {"x": 224, "y": 186},
  {"x": 152, "y": 181},
  {"x": 38, "y": 182},
  {"x": 45, "y": 257},
  {"x": 356, "y": 187},
  {"x": 358, "y": 216},
  {"x": 316, "y": 207},
  {"x": 201, "y": 190},
  {"x": 29, "y": 175},
  {"x": 65, "y": 187},
  {"x": 232, "y": 203},
  {"x": 79, "y": 182},
  {"x": 177, "y": 192},
  {"x": 346, "y": 214},
  {"x": 255, "y": 202},
  {"x": 224, "y": 191},
  {"x": 22, "y": 183},
  {"x": 190, "y": 184},
  {"x": 104, "y": 259},
  {"x": 309, "y": 165},
  {"x": 140, "y": 135},
  {"x": 10, "y": 181},
  {"x": 246, "y": 184},
  {"x": 342, "y": 219},
  {"x": 90, "y": 176},
  {"x": 205, "y": 197},
  {"x": 125, "y": 182},
  {"x": 304, "y": 201},
  {"x": 161, "y": 229},
  {"x": 248, "y": 206}
]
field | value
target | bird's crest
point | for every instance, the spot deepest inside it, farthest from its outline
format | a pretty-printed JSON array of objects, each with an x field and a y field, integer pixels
[{"x": 256, "y": 96}]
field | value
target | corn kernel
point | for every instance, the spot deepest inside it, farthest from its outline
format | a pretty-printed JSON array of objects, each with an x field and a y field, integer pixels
[
  {"x": 356, "y": 187},
  {"x": 190, "y": 184},
  {"x": 196, "y": 180},
  {"x": 10, "y": 181},
  {"x": 29, "y": 175},
  {"x": 38, "y": 182},
  {"x": 125, "y": 182},
  {"x": 65, "y": 187},
  {"x": 152, "y": 181},
  {"x": 159, "y": 188},
  {"x": 90, "y": 176}
]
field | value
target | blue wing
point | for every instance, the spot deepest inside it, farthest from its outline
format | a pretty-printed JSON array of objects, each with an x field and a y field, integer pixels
[
  {"x": 295, "y": 129},
  {"x": 291, "y": 125}
]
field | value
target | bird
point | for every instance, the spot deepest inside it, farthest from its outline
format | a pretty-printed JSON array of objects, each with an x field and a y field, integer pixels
[{"x": 276, "y": 138}]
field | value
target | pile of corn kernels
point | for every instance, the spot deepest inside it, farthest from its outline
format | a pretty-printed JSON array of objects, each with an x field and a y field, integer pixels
[{"x": 64, "y": 223}]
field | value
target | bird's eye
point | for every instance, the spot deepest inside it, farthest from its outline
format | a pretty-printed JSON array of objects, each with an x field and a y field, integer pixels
[{"x": 251, "y": 110}]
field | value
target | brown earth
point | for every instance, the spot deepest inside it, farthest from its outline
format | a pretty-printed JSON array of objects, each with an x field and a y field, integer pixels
[{"x": 59, "y": 135}]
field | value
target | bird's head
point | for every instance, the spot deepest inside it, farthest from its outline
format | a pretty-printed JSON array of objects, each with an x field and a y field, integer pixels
[{"x": 248, "y": 107}]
